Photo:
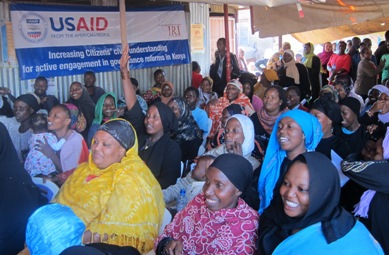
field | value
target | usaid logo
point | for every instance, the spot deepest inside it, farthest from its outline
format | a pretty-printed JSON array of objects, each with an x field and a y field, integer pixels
[{"x": 33, "y": 27}]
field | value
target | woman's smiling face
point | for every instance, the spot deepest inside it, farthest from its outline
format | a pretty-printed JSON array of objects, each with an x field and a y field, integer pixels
[
  {"x": 153, "y": 122},
  {"x": 106, "y": 150},
  {"x": 294, "y": 190},
  {"x": 57, "y": 119},
  {"x": 290, "y": 136},
  {"x": 219, "y": 191},
  {"x": 109, "y": 107},
  {"x": 76, "y": 90}
]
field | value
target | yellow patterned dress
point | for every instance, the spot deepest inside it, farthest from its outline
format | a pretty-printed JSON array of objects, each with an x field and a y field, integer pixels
[{"x": 123, "y": 200}]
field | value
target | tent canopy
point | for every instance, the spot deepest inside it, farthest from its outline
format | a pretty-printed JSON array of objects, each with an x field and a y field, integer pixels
[
  {"x": 324, "y": 20},
  {"x": 268, "y": 3}
]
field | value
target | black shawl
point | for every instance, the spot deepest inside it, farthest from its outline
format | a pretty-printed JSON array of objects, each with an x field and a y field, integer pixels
[
  {"x": 275, "y": 226},
  {"x": 373, "y": 175},
  {"x": 187, "y": 129},
  {"x": 162, "y": 157},
  {"x": 19, "y": 197},
  {"x": 84, "y": 105}
]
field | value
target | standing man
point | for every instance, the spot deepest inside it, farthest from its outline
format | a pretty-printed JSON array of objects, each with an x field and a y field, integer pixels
[
  {"x": 355, "y": 57},
  {"x": 94, "y": 92},
  {"x": 47, "y": 101},
  {"x": 219, "y": 68}
]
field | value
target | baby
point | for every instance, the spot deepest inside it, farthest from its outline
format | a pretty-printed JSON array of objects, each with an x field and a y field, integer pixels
[
  {"x": 37, "y": 163},
  {"x": 192, "y": 183}
]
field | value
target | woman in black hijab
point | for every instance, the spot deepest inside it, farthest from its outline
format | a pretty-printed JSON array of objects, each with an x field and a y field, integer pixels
[
  {"x": 19, "y": 127},
  {"x": 160, "y": 153},
  {"x": 19, "y": 197},
  {"x": 80, "y": 98},
  {"x": 188, "y": 134},
  {"x": 305, "y": 218},
  {"x": 328, "y": 114}
]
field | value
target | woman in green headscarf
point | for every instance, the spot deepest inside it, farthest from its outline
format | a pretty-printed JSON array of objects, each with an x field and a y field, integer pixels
[{"x": 106, "y": 109}]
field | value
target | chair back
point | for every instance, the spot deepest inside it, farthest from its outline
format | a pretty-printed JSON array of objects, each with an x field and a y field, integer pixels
[{"x": 49, "y": 188}]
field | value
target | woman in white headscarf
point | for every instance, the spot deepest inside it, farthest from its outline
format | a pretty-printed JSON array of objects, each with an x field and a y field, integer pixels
[{"x": 239, "y": 139}]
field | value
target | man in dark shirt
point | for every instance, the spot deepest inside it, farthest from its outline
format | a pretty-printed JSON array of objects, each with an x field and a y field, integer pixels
[
  {"x": 355, "y": 57},
  {"x": 218, "y": 70},
  {"x": 94, "y": 92},
  {"x": 47, "y": 101}
]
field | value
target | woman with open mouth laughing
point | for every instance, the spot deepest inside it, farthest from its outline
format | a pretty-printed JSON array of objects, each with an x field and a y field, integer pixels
[
  {"x": 305, "y": 216},
  {"x": 294, "y": 132},
  {"x": 218, "y": 220}
]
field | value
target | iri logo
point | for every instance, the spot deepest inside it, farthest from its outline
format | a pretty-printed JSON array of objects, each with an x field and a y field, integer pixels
[
  {"x": 174, "y": 30},
  {"x": 33, "y": 27}
]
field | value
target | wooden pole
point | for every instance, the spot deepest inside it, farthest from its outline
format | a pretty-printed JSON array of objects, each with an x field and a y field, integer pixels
[
  {"x": 123, "y": 23},
  {"x": 227, "y": 36}
]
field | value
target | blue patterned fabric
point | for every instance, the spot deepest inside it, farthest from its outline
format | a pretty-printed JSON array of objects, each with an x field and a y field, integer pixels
[{"x": 53, "y": 228}]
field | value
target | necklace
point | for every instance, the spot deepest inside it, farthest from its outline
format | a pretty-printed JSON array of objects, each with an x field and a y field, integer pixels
[{"x": 148, "y": 144}]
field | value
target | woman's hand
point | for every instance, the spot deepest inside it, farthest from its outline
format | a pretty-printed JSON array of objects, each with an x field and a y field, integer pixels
[
  {"x": 4, "y": 91},
  {"x": 45, "y": 149},
  {"x": 81, "y": 123},
  {"x": 236, "y": 148},
  {"x": 377, "y": 106},
  {"x": 88, "y": 237},
  {"x": 371, "y": 128},
  {"x": 174, "y": 247},
  {"x": 120, "y": 112},
  {"x": 124, "y": 60},
  {"x": 278, "y": 64}
]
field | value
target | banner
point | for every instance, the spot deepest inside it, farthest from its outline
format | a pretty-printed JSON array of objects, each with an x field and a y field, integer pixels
[{"x": 67, "y": 40}]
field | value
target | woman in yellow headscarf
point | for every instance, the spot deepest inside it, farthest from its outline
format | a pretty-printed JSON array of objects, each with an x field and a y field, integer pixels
[
  {"x": 313, "y": 64},
  {"x": 115, "y": 194}
]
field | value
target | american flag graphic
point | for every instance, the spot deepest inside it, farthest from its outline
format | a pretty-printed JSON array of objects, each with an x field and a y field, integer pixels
[{"x": 34, "y": 34}]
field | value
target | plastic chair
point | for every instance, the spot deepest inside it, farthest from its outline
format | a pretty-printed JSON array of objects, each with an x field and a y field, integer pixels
[
  {"x": 49, "y": 188},
  {"x": 167, "y": 218}
]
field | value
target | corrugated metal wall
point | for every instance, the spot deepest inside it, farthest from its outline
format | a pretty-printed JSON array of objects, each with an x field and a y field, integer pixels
[
  {"x": 199, "y": 14},
  {"x": 180, "y": 75}
]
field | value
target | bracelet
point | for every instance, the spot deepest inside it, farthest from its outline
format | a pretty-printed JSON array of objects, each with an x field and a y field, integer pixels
[{"x": 125, "y": 76}]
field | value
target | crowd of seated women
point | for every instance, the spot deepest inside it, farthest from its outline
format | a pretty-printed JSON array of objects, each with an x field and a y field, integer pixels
[{"x": 267, "y": 177}]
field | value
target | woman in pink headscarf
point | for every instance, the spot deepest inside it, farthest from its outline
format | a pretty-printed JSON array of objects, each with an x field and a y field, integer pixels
[{"x": 324, "y": 58}]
